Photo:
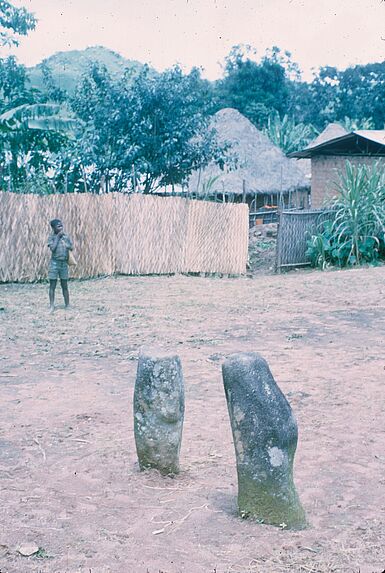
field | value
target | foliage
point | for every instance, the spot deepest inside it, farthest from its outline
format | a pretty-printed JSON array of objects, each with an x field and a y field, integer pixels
[
  {"x": 105, "y": 146},
  {"x": 254, "y": 88},
  {"x": 66, "y": 69},
  {"x": 30, "y": 131},
  {"x": 357, "y": 92},
  {"x": 288, "y": 135},
  {"x": 50, "y": 87},
  {"x": 361, "y": 92},
  {"x": 43, "y": 116},
  {"x": 14, "y": 90},
  {"x": 320, "y": 247},
  {"x": 138, "y": 133},
  {"x": 144, "y": 130},
  {"x": 14, "y": 22},
  {"x": 146, "y": 133},
  {"x": 208, "y": 188},
  {"x": 356, "y": 124},
  {"x": 170, "y": 118},
  {"x": 356, "y": 231},
  {"x": 35, "y": 182}
]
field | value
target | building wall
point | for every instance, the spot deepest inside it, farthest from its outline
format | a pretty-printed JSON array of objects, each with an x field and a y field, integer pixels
[{"x": 324, "y": 174}]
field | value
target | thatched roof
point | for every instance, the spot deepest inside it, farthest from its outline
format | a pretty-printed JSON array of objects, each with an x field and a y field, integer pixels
[
  {"x": 263, "y": 166},
  {"x": 305, "y": 167},
  {"x": 331, "y": 131}
]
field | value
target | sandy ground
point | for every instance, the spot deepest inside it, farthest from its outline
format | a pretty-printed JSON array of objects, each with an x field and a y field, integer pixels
[{"x": 69, "y": 478}]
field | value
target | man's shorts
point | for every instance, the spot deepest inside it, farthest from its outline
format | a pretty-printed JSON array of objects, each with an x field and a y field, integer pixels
[{"x": 58, "y": 270}]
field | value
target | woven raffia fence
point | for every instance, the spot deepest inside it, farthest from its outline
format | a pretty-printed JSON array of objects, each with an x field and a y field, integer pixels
[
  {"x": 115, "y": 233},
  {"x": 294, "y": 230}
]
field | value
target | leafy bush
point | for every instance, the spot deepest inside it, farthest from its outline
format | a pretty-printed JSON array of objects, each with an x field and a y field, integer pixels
[
  {"x": 287, "y": 134},
  {"x": 354, "y": 124},
  {"x": 356, "y": 231}
]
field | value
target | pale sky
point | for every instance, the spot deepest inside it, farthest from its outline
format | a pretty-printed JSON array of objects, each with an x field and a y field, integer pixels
[{"x": 201, "y": 32}]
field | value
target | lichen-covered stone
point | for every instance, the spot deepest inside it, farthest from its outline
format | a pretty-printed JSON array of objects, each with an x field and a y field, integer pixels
[
  {"x": 265, "y": 439},
  {"x": 158, "y": 410}
]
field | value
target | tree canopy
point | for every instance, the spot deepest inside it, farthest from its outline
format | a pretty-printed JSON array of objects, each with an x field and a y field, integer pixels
[
  {"x": 146, "y": 133},
  {"x": 254, "y": 89},
  {"x": 14, "y": 22},
  {"x": 139, "y": 130}
]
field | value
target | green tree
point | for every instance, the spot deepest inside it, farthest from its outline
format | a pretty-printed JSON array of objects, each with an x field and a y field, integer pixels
[
  {"x": 361, "y": 93},
  {"x": 30, "y": 133},
  {"x": 31, "y": 130},
  {"x": 170, "y": 119},
  {"x": 103, "y": 104},
  {"x": 255, "y": 88},
  {"x": 14, "y": 22},
  {"x": 144, "y": 133},
  {"x": 14, "y": 88},
  {"x": 50, "y": 88},
  {"x": 302, "y": 105},
  {"x": 357, "y": 93}
]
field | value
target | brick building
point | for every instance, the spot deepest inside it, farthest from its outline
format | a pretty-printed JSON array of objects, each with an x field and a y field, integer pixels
[{"x": 329, "y": 153}]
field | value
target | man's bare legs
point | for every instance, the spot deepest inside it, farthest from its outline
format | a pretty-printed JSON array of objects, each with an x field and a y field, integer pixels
[
  {"x": 52, "y": 287},
  {"x": 64, "y": 288},
  {"x": 66, "y": 294}
]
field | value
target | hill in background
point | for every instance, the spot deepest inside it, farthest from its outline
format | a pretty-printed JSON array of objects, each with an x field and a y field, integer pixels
[{"x": 68, "y": 67}]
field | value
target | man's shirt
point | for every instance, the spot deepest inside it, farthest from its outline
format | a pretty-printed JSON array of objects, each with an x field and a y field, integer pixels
[{"x": 64, "y": 245}]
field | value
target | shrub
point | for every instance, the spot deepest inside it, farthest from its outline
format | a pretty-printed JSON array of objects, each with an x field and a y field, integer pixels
[{"x": 355, "y": 234}]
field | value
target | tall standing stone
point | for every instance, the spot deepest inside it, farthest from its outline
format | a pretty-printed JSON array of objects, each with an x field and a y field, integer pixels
[
  {"x": 159, "y": 410},
  {"x": 265, "y": 438}
]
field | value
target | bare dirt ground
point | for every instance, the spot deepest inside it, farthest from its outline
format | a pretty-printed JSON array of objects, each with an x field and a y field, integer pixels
[
  {"x": 262, "y": 249},
  {"x": 68, "y": 473}
]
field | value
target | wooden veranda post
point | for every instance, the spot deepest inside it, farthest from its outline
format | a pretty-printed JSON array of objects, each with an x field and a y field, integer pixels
[{"x": 244, "y": 191}]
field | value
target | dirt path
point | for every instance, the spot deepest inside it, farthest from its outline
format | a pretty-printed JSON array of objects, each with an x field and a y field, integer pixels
[{"x": 68, "y": 473}]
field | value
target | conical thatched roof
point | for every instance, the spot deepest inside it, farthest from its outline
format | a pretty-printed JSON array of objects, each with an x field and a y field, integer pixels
[
  {"x": 331, "y": 131},
  {"x": 262, "y": 165}
]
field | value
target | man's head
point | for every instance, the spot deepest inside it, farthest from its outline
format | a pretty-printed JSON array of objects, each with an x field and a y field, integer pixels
[{"x": 56, "y": 225}]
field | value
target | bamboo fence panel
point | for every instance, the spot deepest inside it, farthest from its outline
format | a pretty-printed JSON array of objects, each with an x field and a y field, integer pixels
[
  {"x": 294, "y": 231},
  {"x": 216, "y": 233},
  {"x": 151, "y": 234},
  {"x": 116, "y": 233},
  {"x": 91, "y": 226}
]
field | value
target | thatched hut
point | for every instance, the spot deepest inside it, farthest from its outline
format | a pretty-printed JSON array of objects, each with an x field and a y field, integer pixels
[
  {"x": 262, "y": 176},
  {"x": 329, "y": 153},
  {"x": 331, "y": 131}
]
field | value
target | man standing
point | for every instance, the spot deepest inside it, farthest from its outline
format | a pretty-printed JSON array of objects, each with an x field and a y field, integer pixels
[{"x": 60, "y": 245}]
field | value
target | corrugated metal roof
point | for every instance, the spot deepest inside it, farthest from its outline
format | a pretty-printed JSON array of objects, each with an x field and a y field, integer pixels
[
  {"x": 376, "y": 135},
  {"x": 373, "y": 135}
]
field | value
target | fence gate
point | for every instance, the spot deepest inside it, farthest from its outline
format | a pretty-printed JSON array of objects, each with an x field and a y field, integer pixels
[{"x": 294, "y": 230}]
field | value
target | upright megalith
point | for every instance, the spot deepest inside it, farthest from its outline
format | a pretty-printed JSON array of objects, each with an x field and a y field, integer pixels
[
  {"x": 159, "y": 410},
  {"x": 265, "y": 438}
]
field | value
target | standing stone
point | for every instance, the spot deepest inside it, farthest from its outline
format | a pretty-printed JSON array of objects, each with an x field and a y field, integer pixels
[
  {"x": 159, "y": 411},
  {"x": 265, "y": 439}
]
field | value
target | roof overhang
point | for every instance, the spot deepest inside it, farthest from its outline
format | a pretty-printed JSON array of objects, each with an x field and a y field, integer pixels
[{"x": 362, "y": 142}]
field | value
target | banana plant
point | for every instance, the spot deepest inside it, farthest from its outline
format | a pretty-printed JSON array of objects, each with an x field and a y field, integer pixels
[
  {"x": 287, "y": 134},
  {"x": 32, "y": 131},
  {"x": 42, "y": 116}
]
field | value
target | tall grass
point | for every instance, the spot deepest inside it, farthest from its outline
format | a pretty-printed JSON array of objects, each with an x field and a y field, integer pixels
[{"x": 356, "y": 231}]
